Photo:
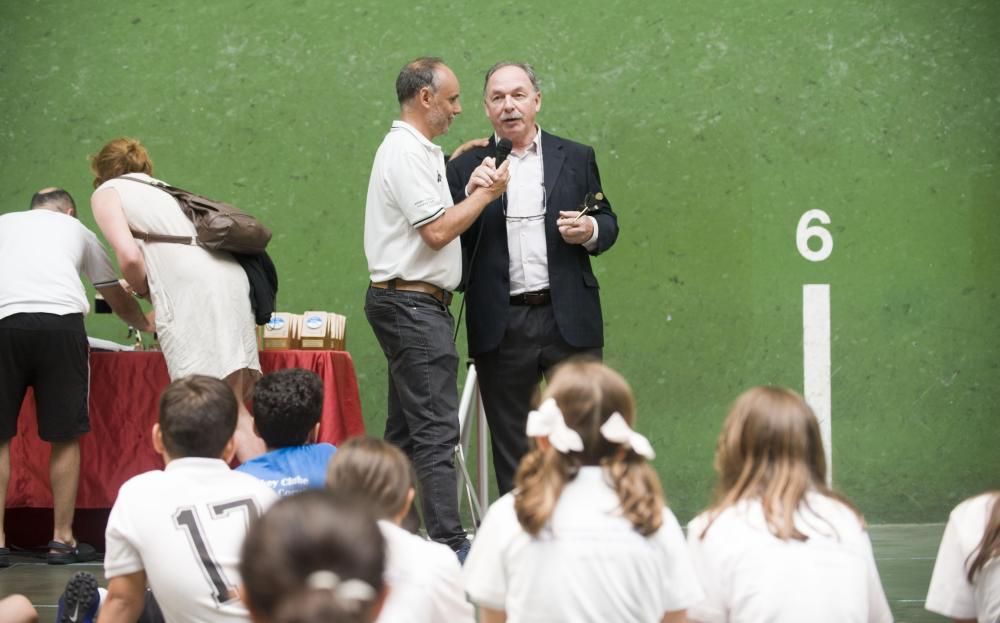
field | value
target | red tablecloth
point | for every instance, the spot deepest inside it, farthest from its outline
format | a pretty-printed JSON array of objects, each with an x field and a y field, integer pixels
[{"x": 124, "y": 393}]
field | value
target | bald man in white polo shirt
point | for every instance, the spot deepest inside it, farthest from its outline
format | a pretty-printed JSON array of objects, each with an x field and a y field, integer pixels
[
  {"x": 43, "y": 345},
  {"x": 415, "y": 261}
]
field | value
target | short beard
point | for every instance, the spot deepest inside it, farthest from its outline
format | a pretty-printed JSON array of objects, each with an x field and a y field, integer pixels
[{"x": 438, "y": 122}]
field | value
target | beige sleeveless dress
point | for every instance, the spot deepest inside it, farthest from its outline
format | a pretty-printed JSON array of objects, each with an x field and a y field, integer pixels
[{"x": 202, "y": 298}]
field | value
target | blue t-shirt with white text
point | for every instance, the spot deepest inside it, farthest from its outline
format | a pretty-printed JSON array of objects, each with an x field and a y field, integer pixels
[{"x": 291, "y": 469}]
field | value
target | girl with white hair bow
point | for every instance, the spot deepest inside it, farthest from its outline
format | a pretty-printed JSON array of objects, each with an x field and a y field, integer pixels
[{"x": 585, "y": 535}]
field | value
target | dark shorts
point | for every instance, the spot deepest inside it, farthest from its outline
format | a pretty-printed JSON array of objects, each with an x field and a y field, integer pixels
[{"x": 48, "y": 353}]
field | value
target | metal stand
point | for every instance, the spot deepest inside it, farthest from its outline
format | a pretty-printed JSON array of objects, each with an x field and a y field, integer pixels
[{"x": 471, "y": 402}]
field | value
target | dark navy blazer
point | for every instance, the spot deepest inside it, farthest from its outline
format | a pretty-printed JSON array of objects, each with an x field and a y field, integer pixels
[{"x": 570, "y": 173}]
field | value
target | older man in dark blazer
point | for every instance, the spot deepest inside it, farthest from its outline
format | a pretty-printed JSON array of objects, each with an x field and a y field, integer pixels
[{"x": 532, "y": 296}]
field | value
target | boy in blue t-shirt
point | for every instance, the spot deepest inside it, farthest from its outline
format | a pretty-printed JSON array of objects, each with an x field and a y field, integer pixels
[{"x": 287, "y": 405}]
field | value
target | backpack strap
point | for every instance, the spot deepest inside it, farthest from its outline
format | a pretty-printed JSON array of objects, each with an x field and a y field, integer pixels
[{"x": 146, "y": 236}]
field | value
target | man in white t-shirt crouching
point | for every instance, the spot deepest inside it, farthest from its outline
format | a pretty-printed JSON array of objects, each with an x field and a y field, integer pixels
[{"x": 180, "y": 529}]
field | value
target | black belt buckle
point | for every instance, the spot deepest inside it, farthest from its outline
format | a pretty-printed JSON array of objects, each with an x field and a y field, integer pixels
[{"x": 542, "y": 297}]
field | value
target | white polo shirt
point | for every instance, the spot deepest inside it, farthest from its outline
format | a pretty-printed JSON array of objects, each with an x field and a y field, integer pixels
[
  {"x": 751, "y": 576},
  {"x": 424, "y": 578},
  {"x": 43, "y": 253},
  {"x": 588, "y": 564},
  {"x": 407, "y": 190},
  {"x": 184, "y": 526},
  {"x": 950, "y": 593}
]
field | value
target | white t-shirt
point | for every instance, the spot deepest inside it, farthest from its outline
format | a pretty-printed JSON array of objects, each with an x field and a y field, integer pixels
[
  {"x": 407, "y": 190},
  {"x": 424, "y": 578},
  {"x": 751, "y": 576},
  {"x": 43, "y": 253},
  {"x": 950, "y": 593},
  {"x": 185, "y": 527},
  {"x": 587, "y": 564}
]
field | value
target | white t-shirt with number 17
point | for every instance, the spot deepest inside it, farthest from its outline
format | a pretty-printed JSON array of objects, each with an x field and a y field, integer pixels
[{"x": 184, "y": 526}]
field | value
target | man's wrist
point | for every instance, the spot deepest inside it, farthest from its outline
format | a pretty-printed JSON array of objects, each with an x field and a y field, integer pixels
[{"x": 591, "y": 244}]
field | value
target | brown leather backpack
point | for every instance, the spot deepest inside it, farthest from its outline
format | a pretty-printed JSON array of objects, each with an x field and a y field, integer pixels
[{"x": 219, "y": 226}]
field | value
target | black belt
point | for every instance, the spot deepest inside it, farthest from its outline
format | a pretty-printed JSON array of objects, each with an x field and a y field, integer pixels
[{"x": 542, "y": 297}]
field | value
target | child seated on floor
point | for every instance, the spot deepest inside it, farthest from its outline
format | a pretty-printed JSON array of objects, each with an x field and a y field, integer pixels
[
  {"x": 287, "y": 405},
  {"x": 313, "y": 558},
  {"x": 966, "y": 581},
  {"x": 778, "y": 545},
  {"x": 585, "y": 535},
  {"x": 424, "y": 577}
]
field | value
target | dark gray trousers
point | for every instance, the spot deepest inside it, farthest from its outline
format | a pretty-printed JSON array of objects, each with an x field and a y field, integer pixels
[
  {"x": 509, "y": 377},
  {"x": 415, "y": 331}
]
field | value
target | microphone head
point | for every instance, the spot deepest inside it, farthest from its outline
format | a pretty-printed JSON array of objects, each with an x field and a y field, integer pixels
[{"x": 503, "y": 150}]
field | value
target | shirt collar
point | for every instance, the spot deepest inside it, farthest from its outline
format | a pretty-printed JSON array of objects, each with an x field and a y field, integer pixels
[
  {"x": 195, "y": 462},
  {"x": 426, "y": 142},
  {"x": 536, "y": 143}
]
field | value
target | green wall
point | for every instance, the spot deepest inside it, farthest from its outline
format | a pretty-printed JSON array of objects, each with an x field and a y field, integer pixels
[{"x": 717, "y": 124}]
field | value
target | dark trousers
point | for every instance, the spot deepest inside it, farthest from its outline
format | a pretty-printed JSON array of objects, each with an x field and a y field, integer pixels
[
  {"x": 415, "y": 332},
  {"x": 509, "y": 377}
]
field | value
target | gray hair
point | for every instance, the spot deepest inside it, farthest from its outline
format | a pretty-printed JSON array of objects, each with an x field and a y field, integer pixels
[
  {"x": 415, "y": 75},
  {"x": 525, "y": 67}
]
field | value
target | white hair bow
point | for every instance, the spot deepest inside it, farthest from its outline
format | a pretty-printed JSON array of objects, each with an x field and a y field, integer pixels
[
  {"x": 617, "y": 430},
  {"x": 353, "y": 589},
  {"x": 548, "y": 421}
]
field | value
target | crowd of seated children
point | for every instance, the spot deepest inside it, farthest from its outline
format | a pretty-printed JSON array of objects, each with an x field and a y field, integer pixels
[{"x": 584, "y": 536}]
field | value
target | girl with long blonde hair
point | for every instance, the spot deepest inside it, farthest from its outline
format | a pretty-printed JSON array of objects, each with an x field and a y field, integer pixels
[
  {"x": 585, "y": 535},
  {"x": 778, "y": 545}
]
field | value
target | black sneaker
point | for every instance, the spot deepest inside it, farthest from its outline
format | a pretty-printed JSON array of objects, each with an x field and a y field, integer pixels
[
  {"x": 69, "y": 554},
  {"x": 80, "y": 601}
]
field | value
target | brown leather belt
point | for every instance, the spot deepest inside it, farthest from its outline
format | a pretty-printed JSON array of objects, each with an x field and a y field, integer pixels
[
  {"x": 415, "y": 286},
  {"x": 542, "y": 297}
]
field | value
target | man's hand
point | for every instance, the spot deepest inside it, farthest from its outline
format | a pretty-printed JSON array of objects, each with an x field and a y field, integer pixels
[
  {"x": 467, "y": 145},
  {"x": 574, "y": 230},
  {"x": 126, "y": 307},
  {"x": 487, "y": 178}
]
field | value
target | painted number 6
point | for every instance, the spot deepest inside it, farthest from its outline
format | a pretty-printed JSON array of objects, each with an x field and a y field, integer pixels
[{"x": 805, "y": 231}]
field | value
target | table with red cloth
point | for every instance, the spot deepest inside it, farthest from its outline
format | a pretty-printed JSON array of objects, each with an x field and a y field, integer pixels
[{"x": 125, "y": 390}]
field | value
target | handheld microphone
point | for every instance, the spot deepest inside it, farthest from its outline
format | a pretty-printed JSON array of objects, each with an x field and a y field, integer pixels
[{"x": 502, "y": 151}]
